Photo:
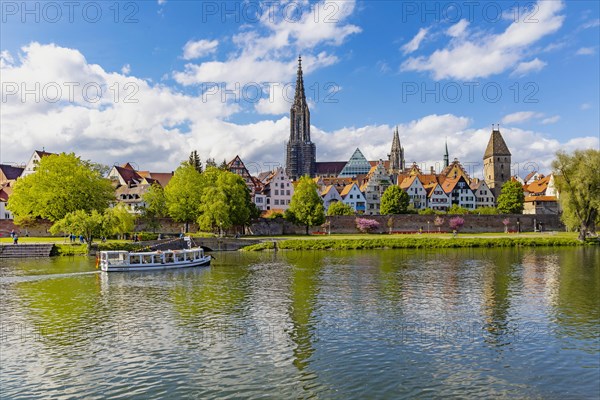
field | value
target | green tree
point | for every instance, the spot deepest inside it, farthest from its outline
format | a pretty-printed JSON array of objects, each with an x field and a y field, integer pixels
[
  {"x": 80, "y": 222},
  {"x": 394, "y": 201},
  {"x": 194, "y": 160},
  {"x": 155, "y": 206},
  {"x": 306, "y": 206},
  {"x": 119, "y": 221},
  {"x": 339, "y": 208},
  {"x": 456, "y": 209},
  {"x": 486, "y": 211},
  {"x": 210, "y": 162},
  {"x": 61, "y": 184},
  {"x": 578, "y": 182},
  {"x": 223, "y": 165},
  {"x": 511, "y": 199},
  {"x": 183, "y": 194},
  {"x": 225, "y": 201}
]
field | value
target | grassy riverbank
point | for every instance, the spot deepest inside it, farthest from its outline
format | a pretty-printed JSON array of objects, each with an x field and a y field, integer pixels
[{"x": 359, "y": 242}]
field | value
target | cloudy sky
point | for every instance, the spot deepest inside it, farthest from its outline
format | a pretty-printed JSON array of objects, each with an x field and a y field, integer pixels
[{"x": 147, "y": 82}]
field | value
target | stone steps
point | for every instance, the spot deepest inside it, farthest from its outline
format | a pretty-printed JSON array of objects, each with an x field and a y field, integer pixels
[{"x": 26, "y": 250}]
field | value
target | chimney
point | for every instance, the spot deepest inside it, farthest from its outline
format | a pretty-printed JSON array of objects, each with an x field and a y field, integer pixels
[{"x": 432, "y": 170}]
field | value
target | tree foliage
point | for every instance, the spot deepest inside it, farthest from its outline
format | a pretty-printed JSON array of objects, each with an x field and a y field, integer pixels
[
  {"x": 511, "y": 199},
  {"x": 366, "y": 225},
  {"x": 394, "y": 201},
  {"x": 61, "y": 184},
  {"x": 183, "y": 194},
  {"x": 339, "y": 208},
  {"x": 455, "y": 209},
  {"x": 119, "y": 221},
  {"x": 155, "y": 206},
  {"x": 89, "y": 225},
  {"x": 225, "y": 200},
  {"x": 456, "y": 223},
  {"x": 194, "y": 161},
  {"x": 306, "y": 205},
  {"x": 578, "y": 181}
]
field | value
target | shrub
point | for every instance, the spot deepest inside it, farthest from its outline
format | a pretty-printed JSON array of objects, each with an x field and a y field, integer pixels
[
  {"x": 456, "y": 223},
  {"x": 366, "y": 225}
]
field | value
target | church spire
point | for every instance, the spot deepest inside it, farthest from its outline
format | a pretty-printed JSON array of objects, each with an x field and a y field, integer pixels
[
  {"x": 300, "y": 96},
  {"x": 396, "y": 155},
  {"x": 446, "y": 156},
  {"x": 301, "y": 152}
]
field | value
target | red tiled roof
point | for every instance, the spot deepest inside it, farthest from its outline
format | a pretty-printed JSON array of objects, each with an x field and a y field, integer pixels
[
  {"x": 329, "y": 167},
  {"x": 162, "y": 178},
  {"x": 540, "y": 198},
  {"x": 539, "y": 186},
  {"x": 44, "y": 153},
  {"x": 128, "y": 175}
]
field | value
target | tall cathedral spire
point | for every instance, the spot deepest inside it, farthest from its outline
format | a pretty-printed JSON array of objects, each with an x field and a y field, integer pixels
[
  {"x": 396, "y": 155},
  {"x": 301, "y": 152},
  {"x": 446, "y": 156}
]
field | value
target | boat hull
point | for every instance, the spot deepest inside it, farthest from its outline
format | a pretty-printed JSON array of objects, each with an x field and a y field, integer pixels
[{"x": 202, "y": 262}]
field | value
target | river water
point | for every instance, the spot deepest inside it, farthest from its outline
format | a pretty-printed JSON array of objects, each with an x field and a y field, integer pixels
[{"x": 518, "y": 323}]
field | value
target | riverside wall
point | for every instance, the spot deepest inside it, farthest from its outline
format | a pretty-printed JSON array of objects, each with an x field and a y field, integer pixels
[{"x": 406, "y": 223}]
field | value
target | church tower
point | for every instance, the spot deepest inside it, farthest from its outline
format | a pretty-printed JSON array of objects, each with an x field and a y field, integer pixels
[
  {"x": 396, "y": 155},
  {"x": 301, "y": 152},
  {"x": 446, "y": 156},
  {"x": 496, "y": 162}
]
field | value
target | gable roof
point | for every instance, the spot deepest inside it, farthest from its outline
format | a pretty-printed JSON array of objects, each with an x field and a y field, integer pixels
[
  {"x": 329, "y": 167},
  {"x": 539, "y": 187},
  {"x": 10, "y": 172},
  {"x": 43, "y": 153},
  {"x": 496, "y": 146},
  {"x": 347, "y": 189},
  {"x": 450, "y": 183}
]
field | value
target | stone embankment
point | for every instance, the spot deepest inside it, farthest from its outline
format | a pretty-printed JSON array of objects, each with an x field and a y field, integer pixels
[{"x": 26, "y": 250}]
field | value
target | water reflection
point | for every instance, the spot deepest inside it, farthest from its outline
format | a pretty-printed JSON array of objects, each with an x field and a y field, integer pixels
[{"x": 470, "y": 323}]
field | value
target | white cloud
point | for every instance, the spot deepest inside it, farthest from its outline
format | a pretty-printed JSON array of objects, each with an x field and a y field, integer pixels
[
  {"x": 200, "y": 48},
  {"x": 585, "y": 106},
  {"x": 520, "y": 116},
  {"x": 586, "y": 51},
  {"x": 551, "y": 120},
  {"x": 524, "y": 68},
  {"x": 266, "y": 51},
  {"x": 126, "y": 69},
  {"x": 6, "y": 59},
  {"x": 484, "y": 54},
  {"x": 148, "y": 132},
  {"x": 161, "y": 2},
  {"x": 415, "y": 42},
  {"x": 458, "y": 29}
]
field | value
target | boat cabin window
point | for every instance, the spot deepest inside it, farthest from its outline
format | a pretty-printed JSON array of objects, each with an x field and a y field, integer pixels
[
  {"x": 134, "y": 259},
  {"x": 147, "y": 259},
  {"x": 169, "y": 258}
]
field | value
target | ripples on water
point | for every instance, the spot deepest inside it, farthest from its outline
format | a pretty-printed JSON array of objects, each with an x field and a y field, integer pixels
[{"x": 379, "y": 324}]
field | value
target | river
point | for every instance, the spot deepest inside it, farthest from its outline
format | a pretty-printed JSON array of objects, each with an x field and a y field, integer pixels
[{"x": 519, "y": 323}]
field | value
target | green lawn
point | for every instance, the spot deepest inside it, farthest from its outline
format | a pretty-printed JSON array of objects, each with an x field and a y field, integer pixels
[{"x": 567, "y": 235}]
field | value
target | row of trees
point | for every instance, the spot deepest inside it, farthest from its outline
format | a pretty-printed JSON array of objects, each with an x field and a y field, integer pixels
[{"x": 74, "y": 195}]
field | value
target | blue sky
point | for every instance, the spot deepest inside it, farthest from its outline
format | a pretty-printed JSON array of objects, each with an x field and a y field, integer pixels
[{"x": 439, "y": 70}]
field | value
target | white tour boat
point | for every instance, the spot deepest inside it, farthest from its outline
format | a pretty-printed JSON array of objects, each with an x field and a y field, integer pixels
[{"x": 111, "y": 261}]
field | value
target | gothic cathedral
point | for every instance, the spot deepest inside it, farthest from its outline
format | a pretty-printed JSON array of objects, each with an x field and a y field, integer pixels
[{"x": 301, "y": 153}]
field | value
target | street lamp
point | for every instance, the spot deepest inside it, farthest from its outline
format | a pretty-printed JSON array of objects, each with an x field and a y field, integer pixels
[{"x": 428, "y": 226}]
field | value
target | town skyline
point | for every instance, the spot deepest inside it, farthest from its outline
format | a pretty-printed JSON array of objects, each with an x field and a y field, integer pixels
[{"x": 373, "y": 90}]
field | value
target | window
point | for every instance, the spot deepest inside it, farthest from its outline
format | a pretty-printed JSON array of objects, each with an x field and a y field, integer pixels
[
  {"x": 287, "y": 192},
  {"x": 287, "y": 184},
  {"x": 351, "y": 196},
  {"x": 276, "y": 192},
  {"x": 276, "y": 202}
]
